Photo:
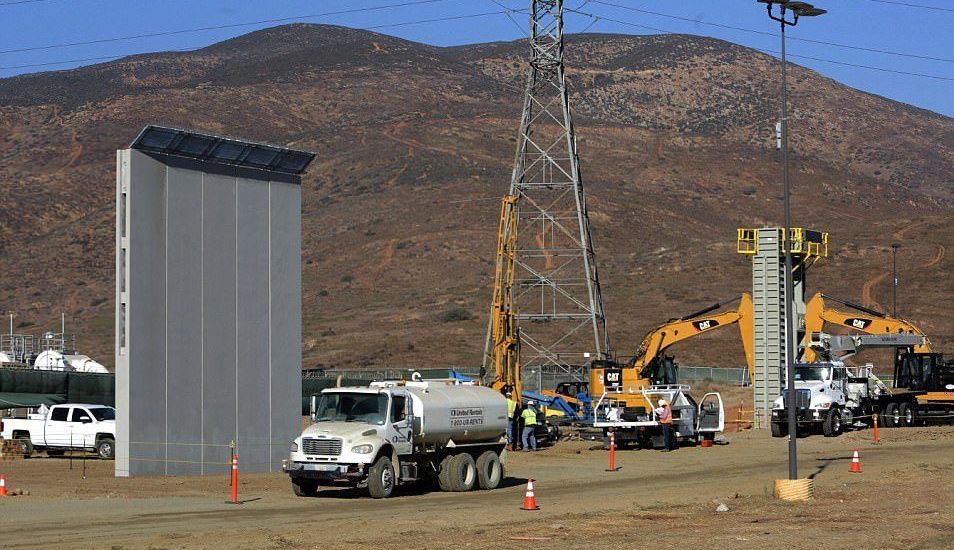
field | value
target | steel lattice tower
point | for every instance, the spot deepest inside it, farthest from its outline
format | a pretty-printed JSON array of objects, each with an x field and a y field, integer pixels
[{"x": 556, "y": 292}]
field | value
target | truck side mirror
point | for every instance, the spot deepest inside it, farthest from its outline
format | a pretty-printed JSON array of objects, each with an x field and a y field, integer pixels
[
  {"x": 417, "y": 425},
  {"x": 313, "y": 409}
]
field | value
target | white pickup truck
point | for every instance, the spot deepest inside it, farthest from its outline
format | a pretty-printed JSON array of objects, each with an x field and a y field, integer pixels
[{"x": 74, "y": 426}]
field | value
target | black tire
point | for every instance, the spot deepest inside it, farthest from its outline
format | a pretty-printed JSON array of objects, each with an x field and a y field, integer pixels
[
  {"x": 463, "y": 473},
  {"x": 907, "y": 414},
  {"x": 891, "y": 415},
  {"x": 779, "y": 429},
  {"x": 444, "y": 474},
  {"x": 26, "y": 447},
  {"x": 304, "y": 487},
  {"x": 489, "y": 470},
  {"x": 832, "y": 425},
  {"x": 106, "y": 448},
  {"x": 381, "y": 480}
]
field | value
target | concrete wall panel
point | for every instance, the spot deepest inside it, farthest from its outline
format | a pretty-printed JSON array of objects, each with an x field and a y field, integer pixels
[
  {"x": 183, "y": 368},
  {"x": 285, "y": 328},
  {"x": 212, "y": 281},
  {"x": 253, "y": 341}
]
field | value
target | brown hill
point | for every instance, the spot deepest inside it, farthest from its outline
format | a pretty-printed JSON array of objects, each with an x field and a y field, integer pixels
[{"x": 414, "y": 148}]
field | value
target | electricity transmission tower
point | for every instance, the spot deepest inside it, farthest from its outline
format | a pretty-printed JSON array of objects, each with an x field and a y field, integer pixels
[{"x": 556, "y": 292}]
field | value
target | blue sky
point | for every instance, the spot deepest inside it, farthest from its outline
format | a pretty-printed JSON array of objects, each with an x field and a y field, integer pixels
[{"x": 874, "y": 24}]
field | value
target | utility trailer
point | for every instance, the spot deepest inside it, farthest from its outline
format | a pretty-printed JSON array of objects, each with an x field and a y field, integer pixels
[
  {"x": 632, "y": 419},
  {"x": 922, "y": 391}
]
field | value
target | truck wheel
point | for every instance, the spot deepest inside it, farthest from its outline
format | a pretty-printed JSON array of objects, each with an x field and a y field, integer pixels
[
  {"x": 106, "y": 448},
  {"x": 444, "y": 474},
  {"x": 381, "y": 478},
  {"x": 779, "y": 429},
  {"x": 832, "y": 425},
  {"x": 489, "y": 470},
  {"x": 304, "y": 487},
  {"x": 906, "y": 414},
  {"x": 26, "y": 447},
  {"x": 463, "y": 473},
  {"x": 891, "y": 415}
]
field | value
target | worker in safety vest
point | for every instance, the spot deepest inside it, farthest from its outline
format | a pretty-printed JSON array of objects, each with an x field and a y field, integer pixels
[
  {"x": 528, "y": 438},
  {"x": 664, "y": 416},
  {"x": 511, "y": 409}
]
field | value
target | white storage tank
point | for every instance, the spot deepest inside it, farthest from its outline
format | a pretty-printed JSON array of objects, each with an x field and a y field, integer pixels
[
  {"x": 83, "y": 363},
  {"x": 461, "y": 413},
  {"x": 51, "y": 360}
]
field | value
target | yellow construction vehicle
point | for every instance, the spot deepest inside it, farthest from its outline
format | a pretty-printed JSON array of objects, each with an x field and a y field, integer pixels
[
  {"x": 504, "y": 333},
  {"x": 651, "y": 367},
  {"x": 922, "y": 388},
  {"x": 862, "y": 319}
]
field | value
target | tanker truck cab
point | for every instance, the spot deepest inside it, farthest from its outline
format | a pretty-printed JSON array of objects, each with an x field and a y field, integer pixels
[{"x": 391, "y": 433}]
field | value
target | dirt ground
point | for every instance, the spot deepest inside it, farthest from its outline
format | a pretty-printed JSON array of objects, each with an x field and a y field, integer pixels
[{"x": 902, "y": 499}]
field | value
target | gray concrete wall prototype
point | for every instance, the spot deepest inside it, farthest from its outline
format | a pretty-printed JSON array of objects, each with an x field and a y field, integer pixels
[{"x": 208, "y": 316}]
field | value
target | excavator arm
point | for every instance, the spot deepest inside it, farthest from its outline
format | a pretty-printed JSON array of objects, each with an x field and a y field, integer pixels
[
  {"x": 643, "y": 369},
  {"x": 858, "y": 318},
  {"x": 656, "y": 342}
]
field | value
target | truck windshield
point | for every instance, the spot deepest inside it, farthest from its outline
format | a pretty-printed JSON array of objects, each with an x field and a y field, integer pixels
[
  {"x": 811, "y": 373},
  {"x": 352, "y": 407},
  {"x": 103, "y": 413}
]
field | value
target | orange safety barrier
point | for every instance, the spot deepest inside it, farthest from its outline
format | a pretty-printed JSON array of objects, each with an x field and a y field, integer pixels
[
  {"x": 612, "y": 452},
  {"x": 233, "y": 496}
]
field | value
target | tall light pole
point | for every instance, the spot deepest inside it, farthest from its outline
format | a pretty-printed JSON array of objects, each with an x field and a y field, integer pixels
[
  {"x": 798, "y": 9},
  {"x": 894, "y": 273}
]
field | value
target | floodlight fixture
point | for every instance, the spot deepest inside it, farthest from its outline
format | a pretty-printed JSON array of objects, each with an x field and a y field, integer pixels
[
  {"x": 804, "y": 9},
  {"x": 221, "y": 150}
]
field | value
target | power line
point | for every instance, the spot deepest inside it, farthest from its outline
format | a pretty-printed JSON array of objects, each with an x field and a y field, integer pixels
[
  {"x": 15, "y": 2},
  {"x": 910, "y": 5},
  {"x": 186, "y": 50},
  {"x": 765, "y": 33},
  {"x": 844, "y": 63},
  {"x": 218, "y": 27}
]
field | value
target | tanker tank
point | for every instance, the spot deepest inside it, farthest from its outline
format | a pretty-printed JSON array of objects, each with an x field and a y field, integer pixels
[{"x": 458, "y": 413}]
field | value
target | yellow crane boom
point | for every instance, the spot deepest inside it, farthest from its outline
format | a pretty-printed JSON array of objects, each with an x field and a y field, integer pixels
[{"x": 862, "y": 319}]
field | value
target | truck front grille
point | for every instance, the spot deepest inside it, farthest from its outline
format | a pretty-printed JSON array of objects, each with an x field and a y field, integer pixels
[
  {"x": 803, "y": 399},
  {"x": 324, "y": 447}
]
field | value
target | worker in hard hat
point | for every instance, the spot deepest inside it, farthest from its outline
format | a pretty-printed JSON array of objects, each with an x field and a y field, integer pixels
[
  {"x": 664, "y": 416},
  {"x": 511, "y": 409},
  {"x": 529, "y": 438}
]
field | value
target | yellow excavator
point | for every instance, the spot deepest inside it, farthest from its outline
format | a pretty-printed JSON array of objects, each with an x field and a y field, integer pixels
[
  {"x": 862, "y": 319},
  {"x": 651, "y": 367}
]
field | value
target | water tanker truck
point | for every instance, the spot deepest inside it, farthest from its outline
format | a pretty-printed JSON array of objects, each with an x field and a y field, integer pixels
[{"x": 439, "y": 431}]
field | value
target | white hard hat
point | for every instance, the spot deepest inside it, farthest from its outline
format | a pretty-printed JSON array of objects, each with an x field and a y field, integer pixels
[
  {"x": 662, "y": 402},
  {"x": 529, "y": 402}
]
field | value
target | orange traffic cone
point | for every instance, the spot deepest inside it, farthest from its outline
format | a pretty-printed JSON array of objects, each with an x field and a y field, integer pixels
[
  {"x": 529, "y": 501},
  {"x": 3, "y": 485},
  {"x": 855, "y": 464}
]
